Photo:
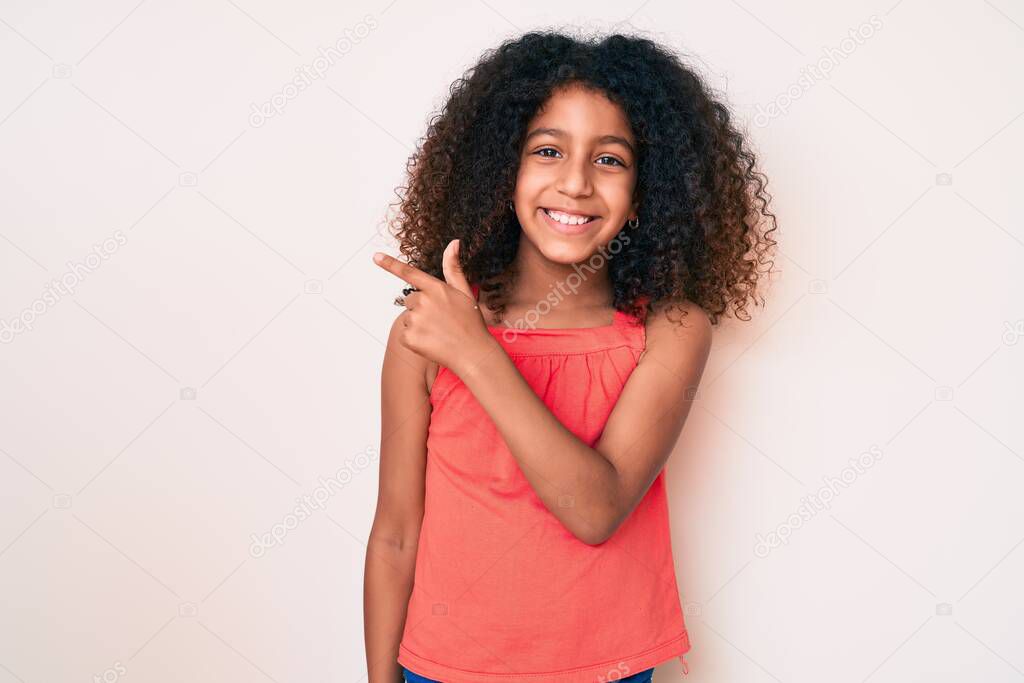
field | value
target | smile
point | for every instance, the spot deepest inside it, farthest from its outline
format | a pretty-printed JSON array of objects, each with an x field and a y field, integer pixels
[{"x": 567, "y": 223}]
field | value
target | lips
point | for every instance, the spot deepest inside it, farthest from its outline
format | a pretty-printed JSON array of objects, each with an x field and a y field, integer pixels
[{"x": 567, "y": 228}]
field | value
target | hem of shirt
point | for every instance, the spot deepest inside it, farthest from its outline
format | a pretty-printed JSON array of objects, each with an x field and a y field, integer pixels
[{"x": 593, "y": 673}]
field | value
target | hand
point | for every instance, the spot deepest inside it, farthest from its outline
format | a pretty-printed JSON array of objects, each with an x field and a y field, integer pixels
[{"x": 442, "y": 322}]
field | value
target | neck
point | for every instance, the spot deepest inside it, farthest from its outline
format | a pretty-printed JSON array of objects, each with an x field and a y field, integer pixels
[{"x": 580, "y": 286}]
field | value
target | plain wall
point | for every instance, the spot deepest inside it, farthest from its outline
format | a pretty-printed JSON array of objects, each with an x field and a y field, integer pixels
[{"x": 220, "y": 356}]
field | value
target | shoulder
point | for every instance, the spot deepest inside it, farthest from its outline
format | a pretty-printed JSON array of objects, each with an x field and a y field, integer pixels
[
  {"x": 402, "y": 362},
  {"x": 678, "y": 332}
]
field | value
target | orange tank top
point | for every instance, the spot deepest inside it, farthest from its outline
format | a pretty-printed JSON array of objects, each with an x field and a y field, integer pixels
[{"x": 502, "y": 590}]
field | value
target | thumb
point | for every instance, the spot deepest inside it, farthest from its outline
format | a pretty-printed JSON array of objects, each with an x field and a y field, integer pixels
[{"x": 453, "y": 271}]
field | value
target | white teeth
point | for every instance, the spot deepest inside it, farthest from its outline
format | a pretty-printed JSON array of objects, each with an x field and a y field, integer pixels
[{"x": 567, "y": 219}]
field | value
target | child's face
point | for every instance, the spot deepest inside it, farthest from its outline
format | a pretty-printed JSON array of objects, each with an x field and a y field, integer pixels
[{"x": 578, "y": 157}]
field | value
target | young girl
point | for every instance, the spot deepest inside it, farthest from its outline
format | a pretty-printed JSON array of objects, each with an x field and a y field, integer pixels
[{"x": 579, "y": 215}]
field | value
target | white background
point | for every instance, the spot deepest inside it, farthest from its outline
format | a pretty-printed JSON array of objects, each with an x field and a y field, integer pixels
[{"x": 895, "y": 321}]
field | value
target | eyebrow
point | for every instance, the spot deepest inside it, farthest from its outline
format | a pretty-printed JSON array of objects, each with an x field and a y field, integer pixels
[{"x": 559, "y": 133}]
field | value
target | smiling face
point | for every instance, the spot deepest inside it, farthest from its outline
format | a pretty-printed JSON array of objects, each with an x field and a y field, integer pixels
[{"x": 577, "y": 174}]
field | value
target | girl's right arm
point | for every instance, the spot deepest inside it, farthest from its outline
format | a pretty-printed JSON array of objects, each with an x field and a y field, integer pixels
[{"x": 391, "y": 549}]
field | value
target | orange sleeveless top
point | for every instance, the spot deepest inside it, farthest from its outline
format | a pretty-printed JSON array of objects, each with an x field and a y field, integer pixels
[{"x": 503, "y": 591}]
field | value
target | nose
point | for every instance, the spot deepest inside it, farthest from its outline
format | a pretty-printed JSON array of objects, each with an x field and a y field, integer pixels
[{"x": 574, "y": 178}]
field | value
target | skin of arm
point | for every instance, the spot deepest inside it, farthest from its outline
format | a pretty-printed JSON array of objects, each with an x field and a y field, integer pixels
[
  {"x": 590, "y": 490},
  {"x": 392, "y": 546},
  {"x": 593, "y": 490}
]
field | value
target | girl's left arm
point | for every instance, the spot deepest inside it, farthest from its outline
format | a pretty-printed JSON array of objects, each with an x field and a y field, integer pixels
[{"x": 592, "y": 490}]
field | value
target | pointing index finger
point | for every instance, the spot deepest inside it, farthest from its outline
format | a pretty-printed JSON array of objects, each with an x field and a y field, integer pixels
[{"x": 411, "y": 274}]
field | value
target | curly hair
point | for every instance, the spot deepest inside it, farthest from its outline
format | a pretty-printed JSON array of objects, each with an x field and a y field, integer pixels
[{"x": 702, "y": 204}]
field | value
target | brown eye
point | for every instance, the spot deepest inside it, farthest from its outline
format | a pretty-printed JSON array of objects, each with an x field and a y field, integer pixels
[
  {"x": 613, "y": 159},
  {"x": 546, "y": 149}
]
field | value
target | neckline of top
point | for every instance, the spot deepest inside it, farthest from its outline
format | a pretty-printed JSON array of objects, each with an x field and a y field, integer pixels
[{"x": 618, "y": 319}]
